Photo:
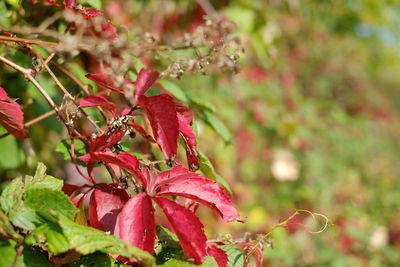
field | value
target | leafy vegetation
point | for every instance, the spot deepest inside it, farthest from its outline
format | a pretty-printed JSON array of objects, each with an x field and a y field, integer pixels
[{"x": 162, "y": 121}]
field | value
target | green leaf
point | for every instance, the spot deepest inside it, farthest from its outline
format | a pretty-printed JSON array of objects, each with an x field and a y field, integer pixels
[
  {"x": 218, "y": 126},
  {"x": 208, "y": 262},
  {"x": 64, "y": 149},
  {"x": 169, "y": 248},
  {"x": 203, "y": 105},
  {"x": 41, "y": 180},
  {"x": 43, "y": 199},
  {"x": 243, "y": 17},
  {"x": 24, "y": 217},
  {"x": 96, "y": 259},
  {"x": 6, "y": 228},
  {"x": 11, "y": 194},
  {"x": 15, "y": 155},
  {"x": 40, "y": 171},
  {"x": 47, "y": 181},
  {"x": 87, "y": 240},
  {"x": 28, "y": 258},
  {"x": 175, "y": 90},
  {"x": 13, "y": 3},
  {"x": 208, "y": 170},
  {"x": 4, "y": 15},
  {"x": 94, "y": 3},
  {"x": 13, "y": 199},
  {"x": 32, "y": 258},
  {"x": 52, "y": 233},
  {"x": 236, "y": 257},
  {"x": 7, "y": 252}
]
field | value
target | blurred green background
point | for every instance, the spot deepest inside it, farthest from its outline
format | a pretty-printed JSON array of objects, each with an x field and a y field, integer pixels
[{"x": 313, "y": 115}]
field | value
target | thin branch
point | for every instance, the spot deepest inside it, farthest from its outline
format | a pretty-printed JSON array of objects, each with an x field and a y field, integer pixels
[
  {"x": 17, "y": 255},
  {"x": 42, "y": 117},
  {"x": 63, "y": 70},
  {"x": 65, "y": 91},
  {"x": 79, "y": 83},
  {"x": 44, "y": 63},
  {"x": 33, "y": 121},
  {"x": 27, "y": 41},
  {"x": 28, "y": 75},
  {"x": 71, "y": 76}
]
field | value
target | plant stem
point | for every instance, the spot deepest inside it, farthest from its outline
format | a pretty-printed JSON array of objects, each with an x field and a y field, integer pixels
[
  {"x": 19, "y": 253},
  {"x": 59, "y": 84},
  {"x": 28, "y": 75},
  {"x": 71, "y": 76},
  {"x": 27, "y": 41},
  {"x": 76, "y": 80}
]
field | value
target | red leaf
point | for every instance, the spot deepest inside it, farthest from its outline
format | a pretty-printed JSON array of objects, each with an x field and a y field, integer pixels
[
  {"x": 142, "y": 131},
  {"x": 92, "y": 12},
  {"x": 106, "y": 203},
  {"x": 70, "y": 189},
  {"x": 185, "y": 111},
  {"x": 52, "y": 3},
  {"x": 11, "y": 116},
  {"x": 185, "y": 183},
  {"x": 144, "y": 81},
  {"x": 190, "y": 141},
  {"x": 105, "y": 141},
  {"x": 103, "y": 81},
  {"x": 70, "y": 3},
  {"x": 187, "y": 227},
  {"x": 123, "y": 160},
  {"x": 137, "y": 223},
  {"x": 97, "y": 100},
  {"x": 3, "y": 95},
  {"x": 108, "y": 31},
  {"x": 164, "y": 122},
  {"x": 185, "y": 118},
  {"x": 77, "y": 199},
  {"x": 219, "y": 255},
  {"x": 170, "y": 176}
]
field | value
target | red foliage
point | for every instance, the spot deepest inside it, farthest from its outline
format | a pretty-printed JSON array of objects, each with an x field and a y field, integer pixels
[
  {"x": 11, "y": 116},
  {"x": 97, "y": 100},
  {"x": 218, "y": 254},
  {"x": 106, "y": 203},
  {"x": 162, "y": 115},
  {"x": 137, "y": 224},
  {"x": 145, "y": 79}
]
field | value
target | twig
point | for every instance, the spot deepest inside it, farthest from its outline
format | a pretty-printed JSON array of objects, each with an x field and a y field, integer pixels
[
  {"x": 71, "y": 76},
  {"x": 66, "y": 72},
  {"x": 284, "y": 224},
  {"x": 42, "y": 117},
  {"x": 79, "y": 83},
  {"x": 17, "y": 255},
  {"x": 59, "y": 84},
  {"x": 44, "y": 63},
  {"x": 33, "y": 121},
  {"x": 28, "y": 75},
  {"x": 27, "y": 41}
]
